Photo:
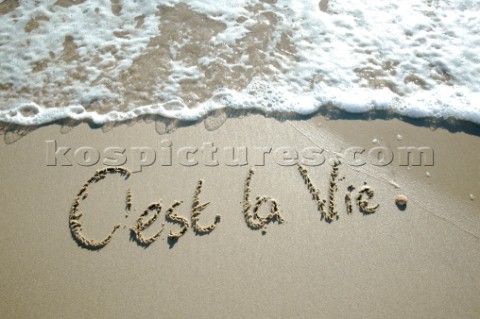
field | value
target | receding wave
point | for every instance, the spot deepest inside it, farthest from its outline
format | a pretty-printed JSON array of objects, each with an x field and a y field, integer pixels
[{"x": 118, "y": 60}]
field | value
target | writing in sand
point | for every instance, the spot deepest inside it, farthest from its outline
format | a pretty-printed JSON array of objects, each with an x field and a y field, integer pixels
[{"x": 326, "y": 207}]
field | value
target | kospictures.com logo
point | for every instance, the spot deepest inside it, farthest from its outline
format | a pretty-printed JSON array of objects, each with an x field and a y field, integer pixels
[{"x": 208, "y": 154}]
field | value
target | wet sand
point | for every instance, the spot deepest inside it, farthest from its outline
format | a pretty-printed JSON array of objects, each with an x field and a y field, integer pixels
[{"x": 417, "y": 262}]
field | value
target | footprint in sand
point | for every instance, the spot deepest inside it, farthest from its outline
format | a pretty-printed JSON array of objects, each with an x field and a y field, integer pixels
[
  {"x": 14, "y": 134},
  {"x": 165, "y": 126},
  {"x": 215, "y": 120}
]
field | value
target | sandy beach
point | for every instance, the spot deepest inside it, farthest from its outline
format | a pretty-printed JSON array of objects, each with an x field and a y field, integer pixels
[
  {"x": 245, "y": 159},
  {"x": 417, "y": 262}
]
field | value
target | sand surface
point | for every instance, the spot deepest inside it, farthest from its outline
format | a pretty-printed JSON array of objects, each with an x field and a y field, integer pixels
[{"x": 421, "y": 262}]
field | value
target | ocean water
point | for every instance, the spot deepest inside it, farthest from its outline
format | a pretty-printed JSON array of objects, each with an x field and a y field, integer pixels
[{"x": 107, "y": 61}]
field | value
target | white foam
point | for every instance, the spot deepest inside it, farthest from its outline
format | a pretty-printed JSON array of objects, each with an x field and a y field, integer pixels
[{"x": 418, "y": 59}]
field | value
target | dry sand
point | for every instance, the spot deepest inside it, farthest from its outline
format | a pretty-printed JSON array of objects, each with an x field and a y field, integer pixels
[{"x": 421, "y": 262}]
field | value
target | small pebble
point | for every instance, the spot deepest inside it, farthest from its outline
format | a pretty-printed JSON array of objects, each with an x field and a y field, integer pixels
[
  {"x": 375, "y": 141},
  {"x": 471, "y": 197},
  {"x": 401, "y": 200},
  {"x": 399, "y": 137},
  {"x": 428, "y": 174}
]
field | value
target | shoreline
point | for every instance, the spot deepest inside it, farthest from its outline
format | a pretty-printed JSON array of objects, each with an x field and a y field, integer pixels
[{"x": 215, "y": 118}]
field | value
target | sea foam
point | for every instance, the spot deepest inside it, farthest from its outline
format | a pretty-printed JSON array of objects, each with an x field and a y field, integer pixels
[{"x": 114, "y": 61}]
